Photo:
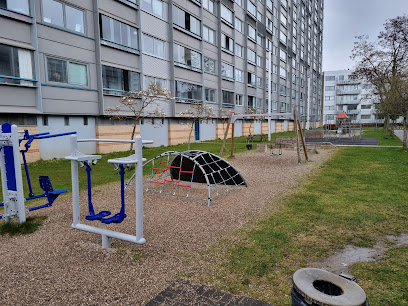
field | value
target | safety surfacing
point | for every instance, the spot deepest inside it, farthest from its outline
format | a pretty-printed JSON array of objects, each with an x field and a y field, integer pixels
[{"x": 182, "y": 293}]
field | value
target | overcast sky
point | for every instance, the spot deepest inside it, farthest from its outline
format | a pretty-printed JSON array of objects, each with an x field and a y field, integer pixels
[{"x": 345, "y": 19}]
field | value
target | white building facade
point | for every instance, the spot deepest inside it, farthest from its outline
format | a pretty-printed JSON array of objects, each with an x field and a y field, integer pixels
[{"x": 344, "y": 92}]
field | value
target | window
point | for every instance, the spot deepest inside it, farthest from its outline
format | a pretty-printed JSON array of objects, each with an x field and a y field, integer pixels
[
  {"x": 341, "y": 77},
  {"x": 282, "y": 90},
  {"x": 269, "y": 4},
  {"x": 209, "y": 5},
  {"x": 259, "y": 40},
  {"x": 367, "y": 86},
  {"x": 283, "y": 19},
  {"x": 239, "y": 2},
  {"x": 63, "y": 15},
  {"x": 227, "y": 71},
  {"x": 274, "y": 69},
  {"x": 239, "y": 50},
  {"x": 282, "y": 73},
  {"x": 282, "y": 55},
  {"x": 155, "y": 47},
  {"x": 226, "y": 14},
  {"x": 118, "y": 32},
  {"x": 209, "y": 65},
  {"x": 116, "y": 80},
  {"x": 251, "y": 8},
  {"x": 239, "y": 75},
  {"x": 283, "y": 38},
  {"x": 259, "y": 16},
  {"x": 259, "y": 61},
  {"x": 330, "y": 78},
  {"x": 329, "y": 88},
  {"x": 251, "y": 32},
  {"x": 45, "y": 120},
  {"x": 251, "y": 102},
  {"x": 16, "y": 65},
  {"x": 329, "y": 107},
  {"x": 227, "y": 42},
  {"x": 85, "y": 120},
  {"x": 210, "y": 95},
  {"x": 19, "y": 6},
  {"x": 239, "y": 100},
  {"x": 161, "y": 83},
  {"x": 258, "y": 102},
  {"x": 188, "y": 91},
  {"x": 365, "y": 117},
  {"x": 368, "y": 106},
  {"x": 239, "y": 25},
  {"x": 67, "y": 72},
  {"x": 66, "y": 120},
  {"x": 187, "y": 57},
  {"x": 208, "y": 35},
  {"x": 186, "y": 21},
  {"x": 156, "y": 7},
  {"x": 251, "y": 79},
  {"x": 269, "y": 24},
  {"x": 259, "y": 82},
  {"x": 227, "y": 98},
  {"x": 251, "y": 55},
  {"x": 329, "y": 98}
]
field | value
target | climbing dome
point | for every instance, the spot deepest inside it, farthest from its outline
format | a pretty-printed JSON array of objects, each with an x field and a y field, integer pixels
[{"x": 193, "y": 174}]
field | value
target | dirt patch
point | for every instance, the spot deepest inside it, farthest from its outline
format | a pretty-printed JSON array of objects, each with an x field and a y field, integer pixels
[
  {"x": 341, "y": 261},
  {"x": 64, "y": 266}
]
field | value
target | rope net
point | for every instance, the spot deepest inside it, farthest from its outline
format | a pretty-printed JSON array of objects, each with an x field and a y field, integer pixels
[{"x": 193, "y": 174}]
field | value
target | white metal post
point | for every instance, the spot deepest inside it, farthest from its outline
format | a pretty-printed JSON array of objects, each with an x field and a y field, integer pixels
[
  {"x": 75, "y": 181},
  {"x": 18, "y": 174},
  {"x": 139, "y": 190}
]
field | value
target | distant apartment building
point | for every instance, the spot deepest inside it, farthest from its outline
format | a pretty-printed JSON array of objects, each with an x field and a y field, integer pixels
[
  {"x": 344, "y": 92},
  {"x": 64, "y": 62}
]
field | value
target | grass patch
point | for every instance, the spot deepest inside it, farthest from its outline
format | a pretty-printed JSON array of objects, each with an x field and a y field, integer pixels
[
  {"x": 14, "y": 228},
  {"x": 356, "y": 197},
  {"x": 384, "y": 137}
]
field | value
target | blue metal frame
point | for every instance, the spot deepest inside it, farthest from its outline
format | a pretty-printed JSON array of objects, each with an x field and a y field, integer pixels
[
  {"x": 49, "y": 192},
  {"x": 116, "y": 218}
]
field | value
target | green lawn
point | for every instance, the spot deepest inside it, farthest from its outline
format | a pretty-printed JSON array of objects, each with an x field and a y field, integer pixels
[{"x": 356, "y": 198}]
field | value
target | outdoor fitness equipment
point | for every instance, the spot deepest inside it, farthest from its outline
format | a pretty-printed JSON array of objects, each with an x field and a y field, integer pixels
[
  {"x": 11, "y": 174},
  {"x": 78, "y": 158},
  {"x": 177, "y": 173}
]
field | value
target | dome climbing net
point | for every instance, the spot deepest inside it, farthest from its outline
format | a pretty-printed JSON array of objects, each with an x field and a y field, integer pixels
[{"x": 193, "y": 174}]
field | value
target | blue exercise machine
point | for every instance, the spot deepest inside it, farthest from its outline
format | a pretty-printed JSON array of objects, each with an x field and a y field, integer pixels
[
  {"x": 10, "y": 140},
  {"x": 103, "y": 215}
]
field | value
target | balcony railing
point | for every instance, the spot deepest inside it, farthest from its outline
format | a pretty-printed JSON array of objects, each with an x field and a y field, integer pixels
[
  {"x": 346, "y": 82},
  {"x": 353, "y": 111},
  {"x": 344, "y": 102},
  {"x": 348, "y": 92}
]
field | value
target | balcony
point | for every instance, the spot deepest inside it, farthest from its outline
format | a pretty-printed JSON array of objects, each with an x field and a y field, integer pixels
[
  {"x": 348, "y": 82},
  {"x": 345, "y": 102},
  {"x": 348, "y": 92},
  {"x": 352, "y": 112}
]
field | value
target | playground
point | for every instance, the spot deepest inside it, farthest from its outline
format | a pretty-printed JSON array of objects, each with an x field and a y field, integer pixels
[{"x": 59, "y": 264}]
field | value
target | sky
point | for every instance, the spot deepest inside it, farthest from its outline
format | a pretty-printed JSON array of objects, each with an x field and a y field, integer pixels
[{"x": 346, "y": 19}]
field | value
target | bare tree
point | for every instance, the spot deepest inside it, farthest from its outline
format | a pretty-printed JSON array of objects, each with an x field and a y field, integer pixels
[
  {"x": 139, "y": 104},
  {"x": 197, "y": 111},
  {"x": 384, "y": 63}
]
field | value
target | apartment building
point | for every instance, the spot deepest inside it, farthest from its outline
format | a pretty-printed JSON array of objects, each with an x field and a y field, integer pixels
[
  {"x": 344, "y": 92},
  {"x": 63, "y": 63}
]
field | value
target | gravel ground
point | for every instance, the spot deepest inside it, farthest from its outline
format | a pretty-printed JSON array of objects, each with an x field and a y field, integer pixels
[{"x": 60, "y": 265}]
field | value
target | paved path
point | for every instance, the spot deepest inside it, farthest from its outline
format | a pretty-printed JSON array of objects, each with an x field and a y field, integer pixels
[{"x": 184, "y": 293}]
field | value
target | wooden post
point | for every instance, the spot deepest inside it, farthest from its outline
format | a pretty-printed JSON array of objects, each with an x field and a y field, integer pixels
[
  {"x": 303, "y": 140},
  {"x": 226, "y": 135},
  {"x": 232, "y": 139},
  {"x": 297, "y": 136}
]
